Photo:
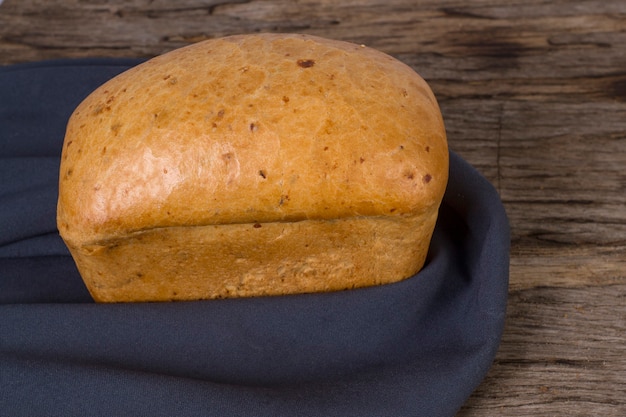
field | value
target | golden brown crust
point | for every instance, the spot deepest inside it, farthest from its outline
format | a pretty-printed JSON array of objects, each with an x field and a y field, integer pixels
[
  {"x": 240, "y": 260},
  {"x": 251, "y": 129}
]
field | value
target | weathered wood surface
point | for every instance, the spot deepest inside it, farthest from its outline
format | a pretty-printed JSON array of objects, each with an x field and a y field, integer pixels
[{"x": 534, "y": 95}]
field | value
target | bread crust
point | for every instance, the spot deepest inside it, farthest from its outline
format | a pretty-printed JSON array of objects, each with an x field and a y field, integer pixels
[{"x": 270, "y": 129}]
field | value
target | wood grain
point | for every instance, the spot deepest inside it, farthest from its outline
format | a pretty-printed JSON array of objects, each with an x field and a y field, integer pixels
[
  {"x": 534, "y": 96},
  {"x": 564, "y": 372}
]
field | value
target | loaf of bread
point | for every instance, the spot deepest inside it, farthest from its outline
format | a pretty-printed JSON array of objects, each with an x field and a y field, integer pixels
[{"x": 252, "y": 165}]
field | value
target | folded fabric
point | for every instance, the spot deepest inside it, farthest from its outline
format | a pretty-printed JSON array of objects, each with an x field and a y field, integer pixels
[{"x": 414, "y": 348}]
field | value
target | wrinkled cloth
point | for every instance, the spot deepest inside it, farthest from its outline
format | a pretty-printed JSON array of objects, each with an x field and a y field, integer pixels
[{"x": 418, "y": 347}]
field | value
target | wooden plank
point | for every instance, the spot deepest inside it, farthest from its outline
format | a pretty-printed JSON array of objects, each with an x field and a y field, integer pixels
[
  {"x": 448, "y": 29},
  {"x": 547, "y": 366},
  {"x": 560, "y": 174},
  {"x": 567, "y": 266}
]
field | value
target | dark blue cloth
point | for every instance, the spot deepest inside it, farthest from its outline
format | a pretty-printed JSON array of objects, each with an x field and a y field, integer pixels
[{"x": 415, "y": 348}]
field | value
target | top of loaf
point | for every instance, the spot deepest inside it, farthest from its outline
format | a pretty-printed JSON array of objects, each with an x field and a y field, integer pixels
[{"x": 252, "y": 129}]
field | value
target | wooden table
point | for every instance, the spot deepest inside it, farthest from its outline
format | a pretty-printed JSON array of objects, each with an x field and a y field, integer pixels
[{"x": 533, "y": 94}]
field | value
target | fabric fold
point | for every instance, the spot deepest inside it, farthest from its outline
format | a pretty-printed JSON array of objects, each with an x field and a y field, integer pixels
[{"x": 416, "y": 347}]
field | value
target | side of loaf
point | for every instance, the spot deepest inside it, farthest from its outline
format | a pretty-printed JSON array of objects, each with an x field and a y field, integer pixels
[{"x": 252, "y": 165}]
